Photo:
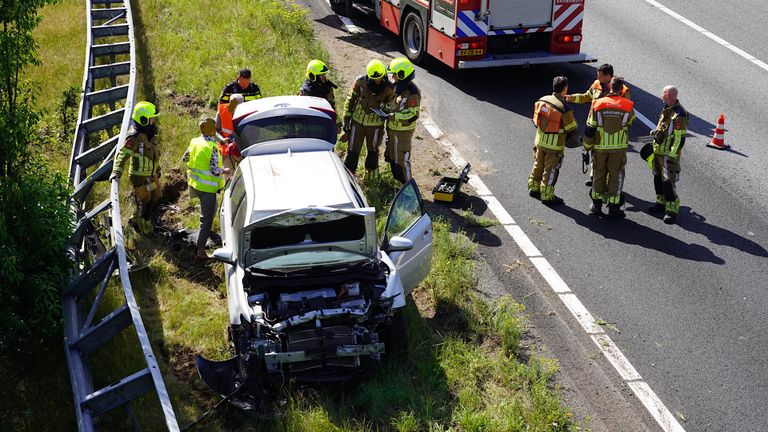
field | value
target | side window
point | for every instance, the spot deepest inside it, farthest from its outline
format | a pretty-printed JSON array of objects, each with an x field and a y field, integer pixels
[
  {"x": 405, "y": 210},
  {"x": 238, "y": 193}
]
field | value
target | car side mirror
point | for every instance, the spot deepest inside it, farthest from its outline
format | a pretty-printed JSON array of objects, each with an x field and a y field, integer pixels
[
  {"x": 225, "y": 255},
  {"x": 399, "y": 244}
]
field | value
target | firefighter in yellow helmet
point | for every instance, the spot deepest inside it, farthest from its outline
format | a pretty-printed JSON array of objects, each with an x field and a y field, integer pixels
[
  {"x": 140, "y": 147},
  {"x": 404, "y": 111},
  {"x": 598, "y": 89},
  {"x": 317, "y": 83},
  {"x": 205, "y": 177},
  {"x": 364, "y": 118},
  {"x": 555, "y": 129}
]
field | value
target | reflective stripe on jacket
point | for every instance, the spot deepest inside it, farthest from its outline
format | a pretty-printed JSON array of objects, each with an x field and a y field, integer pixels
[
  {"x": 556, "y": 140},
  {"x": 671, "y": 130},
  {"x": 225, "y": 117},
  {"x": 142, "y": 153},
  {"x": 199, "y": 173},
  {"x": 361, "y": 99},
  {"x": 612, "y": 117},
  {"x": 406, "y": 107}
]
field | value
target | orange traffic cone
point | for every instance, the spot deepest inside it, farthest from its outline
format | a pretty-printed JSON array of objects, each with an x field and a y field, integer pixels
[{"x": 718, "y": 141}]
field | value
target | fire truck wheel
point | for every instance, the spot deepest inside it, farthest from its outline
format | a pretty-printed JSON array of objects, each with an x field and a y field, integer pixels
[{"x": 413, "y": 37}]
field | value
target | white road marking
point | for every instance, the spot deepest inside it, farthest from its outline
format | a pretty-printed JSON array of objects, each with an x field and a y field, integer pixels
[
  {"x": 645, "y": 120},
  {"x": 709, "y": 34},
  {"x": 612, "y": 353}
]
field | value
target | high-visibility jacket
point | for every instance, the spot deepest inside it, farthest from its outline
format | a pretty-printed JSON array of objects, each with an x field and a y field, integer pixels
[
  {"x": 249, "y": 93},
  {"x": 141, "y": 151},
  {"x": 671, "y": 129},
  {"x": 612, "y": 117},
  {"x": 595, "y": 92},
  {"x": 556, "y": 140},
  {"x": 405, "y": 108},
  {"x": 317, "y": 88},
  {"x": 225, "y": 120},
  {"x": 362, "y": 98},
  {"x": 199, "y": 173}
]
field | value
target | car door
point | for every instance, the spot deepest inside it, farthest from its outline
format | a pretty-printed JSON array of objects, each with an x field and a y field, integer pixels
[{"x": 407, "y": 219}]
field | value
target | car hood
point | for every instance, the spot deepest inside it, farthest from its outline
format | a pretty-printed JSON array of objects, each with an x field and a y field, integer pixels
[{"x": 366, "y": 246}]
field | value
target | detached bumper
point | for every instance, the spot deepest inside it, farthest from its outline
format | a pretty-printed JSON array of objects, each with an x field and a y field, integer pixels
[{"x": 522, "y": 59}]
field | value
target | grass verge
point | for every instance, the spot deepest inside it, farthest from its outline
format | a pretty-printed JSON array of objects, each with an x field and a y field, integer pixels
[{"x": 460, "y": 369}]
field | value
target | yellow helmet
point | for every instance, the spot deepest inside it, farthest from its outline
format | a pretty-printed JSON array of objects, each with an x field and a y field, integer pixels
[
  {"x": 401, "y": 67},
  {"x": 375, "y": 69},
  {"x": 143, "y": 111},
  {"x": 316, "y": 68}
]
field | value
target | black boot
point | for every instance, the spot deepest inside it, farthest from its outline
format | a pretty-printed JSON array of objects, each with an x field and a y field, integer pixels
[
  {"x": 670, "y": 218},
  {"x": 588, "y": 182},
  {"x": 596, "y": 208},
  {"x": 615, "y": 212}
]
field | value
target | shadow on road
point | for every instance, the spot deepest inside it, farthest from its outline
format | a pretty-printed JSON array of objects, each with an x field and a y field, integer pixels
[{"x": 630, "y": 232}]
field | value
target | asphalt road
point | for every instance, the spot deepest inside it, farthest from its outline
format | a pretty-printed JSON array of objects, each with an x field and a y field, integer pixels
[{"x": 689, "y": 299}]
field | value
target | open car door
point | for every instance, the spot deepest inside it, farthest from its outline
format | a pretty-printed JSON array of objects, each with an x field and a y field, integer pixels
[{"x": 407, "y": 219}]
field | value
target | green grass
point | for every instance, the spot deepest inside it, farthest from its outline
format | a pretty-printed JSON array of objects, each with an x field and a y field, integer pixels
[
  {"x": 473, "y": 220},
  {"x": 459, "y": 369}
]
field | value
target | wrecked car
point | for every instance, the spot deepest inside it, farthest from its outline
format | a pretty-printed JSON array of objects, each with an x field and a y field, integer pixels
[{"x": 313, "y": 294}]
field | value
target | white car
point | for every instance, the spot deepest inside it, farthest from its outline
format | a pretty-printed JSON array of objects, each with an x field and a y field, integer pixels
[{"x": 313, "y": 295}]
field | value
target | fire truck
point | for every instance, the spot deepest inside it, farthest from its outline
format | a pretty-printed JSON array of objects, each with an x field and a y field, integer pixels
[{"x": 467, "y": 34}]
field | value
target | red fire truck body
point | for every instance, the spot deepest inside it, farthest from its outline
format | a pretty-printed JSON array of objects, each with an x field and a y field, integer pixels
[{"x": 467, "y": 34}]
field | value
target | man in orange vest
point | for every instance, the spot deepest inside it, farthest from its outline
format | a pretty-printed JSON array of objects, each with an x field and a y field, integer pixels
[
  {"x": 225, "y": 130},
  {"x": 598, "y": 89},
  {"x": 608, "y": 136},
  {"x": 555, "y": 129}
]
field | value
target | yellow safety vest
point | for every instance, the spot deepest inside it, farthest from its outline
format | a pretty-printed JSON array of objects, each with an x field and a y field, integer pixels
[{"x": 199, "y": 172}]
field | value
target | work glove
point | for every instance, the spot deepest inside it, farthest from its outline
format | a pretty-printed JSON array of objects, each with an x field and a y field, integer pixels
[
  {"x": 347, "y": 124},
  {"x": 114, "y": 176}
]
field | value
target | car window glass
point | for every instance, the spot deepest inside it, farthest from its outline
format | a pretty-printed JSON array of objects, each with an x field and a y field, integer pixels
[
  {"x": 405, "y": 211},
  {"x": 238, "y": 193},
  {"x": 276, "y": 128}
]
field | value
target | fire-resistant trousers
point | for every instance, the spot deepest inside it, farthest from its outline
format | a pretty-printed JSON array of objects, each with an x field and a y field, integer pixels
[
  {"x": 546, "y": 168},
  {"x": 371, "y": 136}
]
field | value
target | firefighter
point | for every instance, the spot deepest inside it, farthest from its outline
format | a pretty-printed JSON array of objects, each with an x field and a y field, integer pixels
[
  {"x": 225, "y": 130},
  {"x": 598, "y": 89},
  {"x": 608, "y": 133},
  {"x": 140, "y": 147},
  {"x": 317, "y": 83},
  {"x": 241, "y": 85},
  {"x": 555, "y": 128},
  {"x": 370, "y": 93},
  {"x": 205, "y": 177},
  {"x": 404, "y": 111},
  {"x": 668, "y": 142}
]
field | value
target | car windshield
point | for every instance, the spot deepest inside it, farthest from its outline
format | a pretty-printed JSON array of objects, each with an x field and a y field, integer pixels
[{"x": 288, "y": 126}]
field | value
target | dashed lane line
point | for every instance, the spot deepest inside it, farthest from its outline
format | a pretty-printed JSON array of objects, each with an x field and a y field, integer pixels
[{"x": 604, "y": 343}]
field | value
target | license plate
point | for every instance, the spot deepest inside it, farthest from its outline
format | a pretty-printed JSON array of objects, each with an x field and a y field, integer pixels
[{"x": 471, "y": 52}]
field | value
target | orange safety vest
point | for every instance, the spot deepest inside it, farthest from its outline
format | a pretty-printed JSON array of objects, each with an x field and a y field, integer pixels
[
  {"x": 613, "y": 102},
  {"x": 547, "y": 116},
  {"x": 227, "y": 127},
  {"x": 596, "y": 85}
]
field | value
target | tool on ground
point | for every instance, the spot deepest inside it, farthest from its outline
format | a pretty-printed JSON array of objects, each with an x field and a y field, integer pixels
[
  {"x": 718, "y": 140},
  {"x": 448, "y": 187},
  {"x": 584, "y": 162}
]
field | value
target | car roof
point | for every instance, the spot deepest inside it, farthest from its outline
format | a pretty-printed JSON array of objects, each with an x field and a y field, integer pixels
[{"x": 276, "y": 182}]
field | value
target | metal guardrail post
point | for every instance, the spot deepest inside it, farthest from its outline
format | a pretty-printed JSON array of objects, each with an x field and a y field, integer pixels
[{"x": 81, "y": 334}]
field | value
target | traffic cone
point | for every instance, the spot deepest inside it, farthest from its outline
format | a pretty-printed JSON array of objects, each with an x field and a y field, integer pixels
[{"x": 718, "y": 141}]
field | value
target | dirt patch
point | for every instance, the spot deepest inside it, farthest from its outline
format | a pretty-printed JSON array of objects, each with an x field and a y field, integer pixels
[
  {"x": 188, "y": 104},
  {"x": 424, "y": 302}
]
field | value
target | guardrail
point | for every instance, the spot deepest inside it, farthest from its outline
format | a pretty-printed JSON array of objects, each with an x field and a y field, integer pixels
[{"x": 109, "y": 93}]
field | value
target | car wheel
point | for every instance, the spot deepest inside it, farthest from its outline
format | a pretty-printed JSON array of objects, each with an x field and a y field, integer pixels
[
  {"x": 395, "y": 335},
  {"x": 414, "y": 38},
  {"x": 343, "y": 7}
]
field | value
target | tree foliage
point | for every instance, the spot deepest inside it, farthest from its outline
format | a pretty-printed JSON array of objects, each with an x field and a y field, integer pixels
[{"x": 34, "y": 215}]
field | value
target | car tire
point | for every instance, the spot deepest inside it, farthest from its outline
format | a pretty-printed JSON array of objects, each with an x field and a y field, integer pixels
[
  {"x": 343, "y": 7},
  {"x": 395, "y": 336},
  {"x": 414, "y": 38}
]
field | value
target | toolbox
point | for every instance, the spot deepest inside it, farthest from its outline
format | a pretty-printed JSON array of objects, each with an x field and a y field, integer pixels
[{"x": 447, "y": 188}]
